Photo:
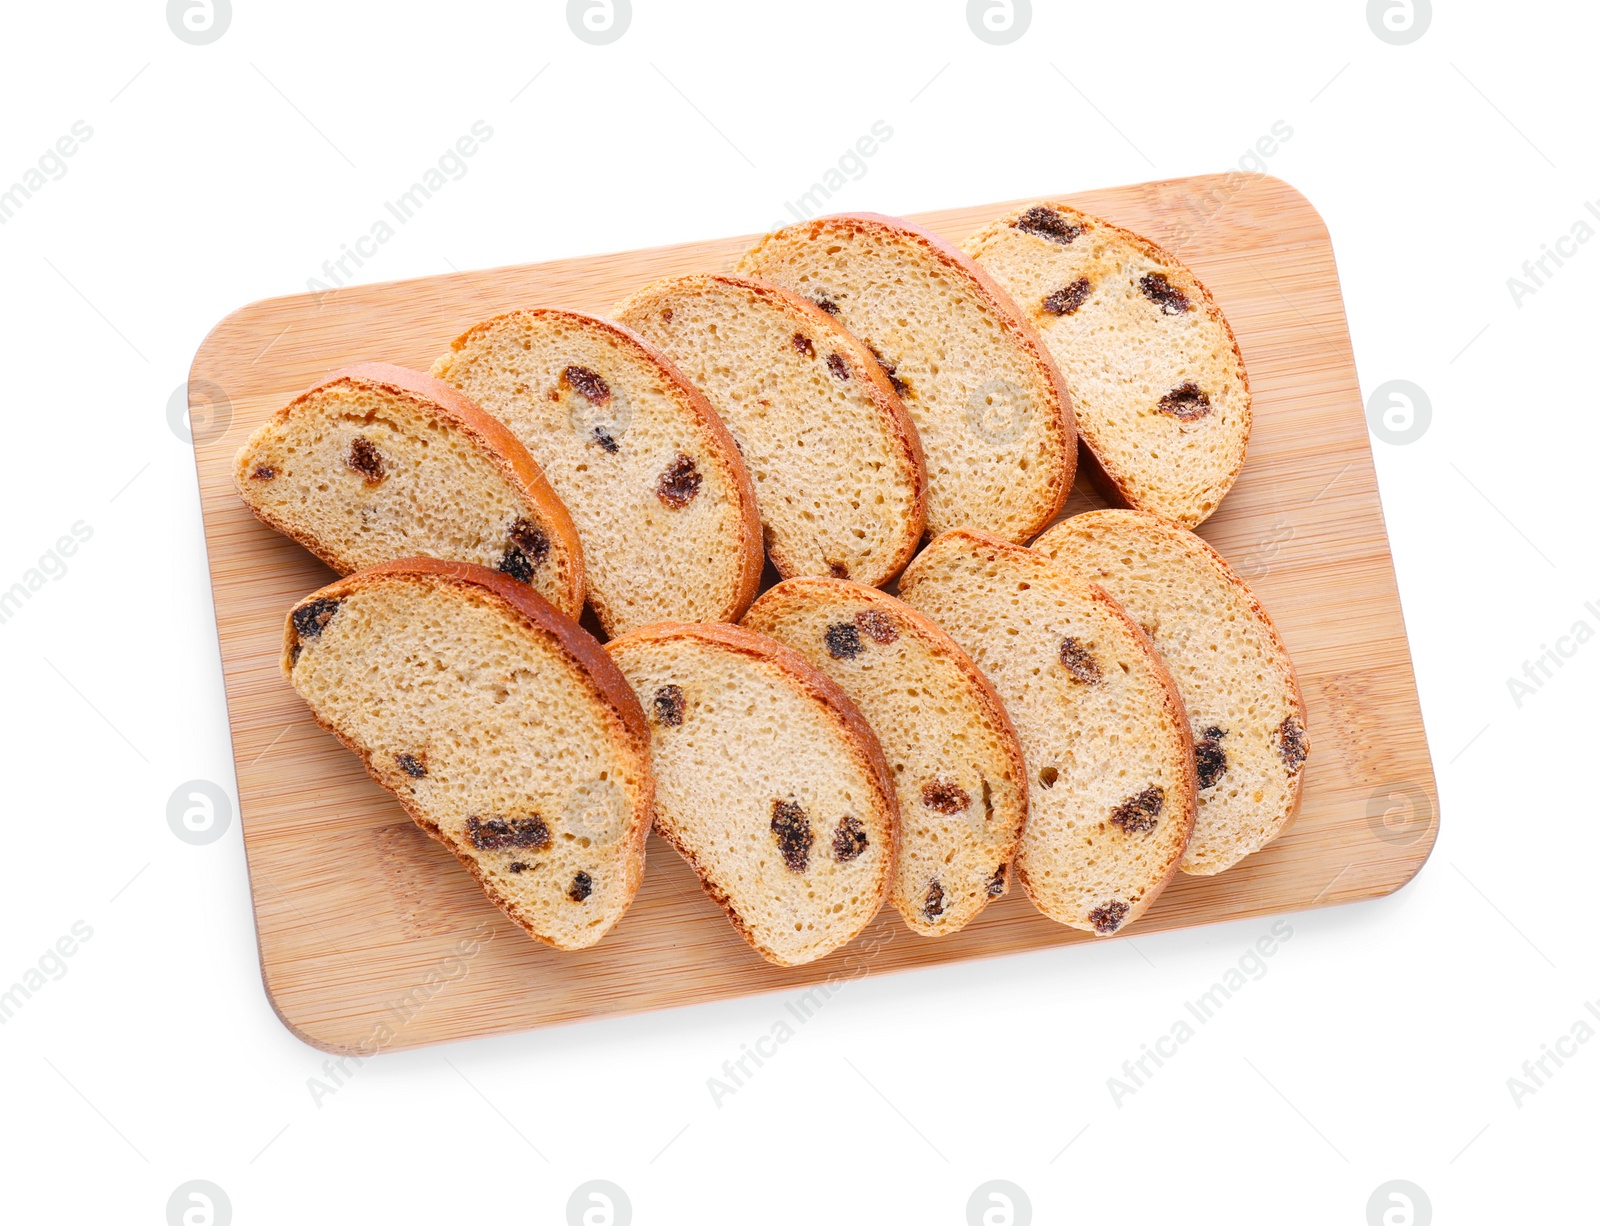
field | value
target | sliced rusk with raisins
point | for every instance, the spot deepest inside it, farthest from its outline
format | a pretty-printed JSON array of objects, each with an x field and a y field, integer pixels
[{"x": 500, "y": 725}]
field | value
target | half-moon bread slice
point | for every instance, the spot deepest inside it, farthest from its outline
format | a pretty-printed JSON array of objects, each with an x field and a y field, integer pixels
[
  {"x": 1111, "y": 801},
  {"x": 653, "y": 480},
  {"x": 957, "y": 766},
  {"x": 1158, "y": 383},
  {"x": 768, "y": 782},
  {"x": 993, "y": 412},
  {"x": 1235, "y": 675},
  {"x": 377, "y": 462},
  {"x": 834, "y": 457},
  {"x": 499, "y": 724}
]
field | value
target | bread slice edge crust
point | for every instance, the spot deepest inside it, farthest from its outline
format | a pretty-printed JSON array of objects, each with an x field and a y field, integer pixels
[
  {"x": 487, "y": 434},
  {"x": 1063, "y": 422},
  {"x": 1110, "y": 486},
  {"x": 1204, "y": 549},
  {"x": 752, "y": 554},
  {"x": 577, "y": 643},
  {"x": 1172, "y": 701},
  {"x": 934, "y": 636},
  {"x": 884, "y": 395},
  {"x": 825, "y": 691}
]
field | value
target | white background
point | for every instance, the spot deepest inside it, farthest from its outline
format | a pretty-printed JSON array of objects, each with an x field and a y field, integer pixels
[{"x": 1378, "y": 1043}]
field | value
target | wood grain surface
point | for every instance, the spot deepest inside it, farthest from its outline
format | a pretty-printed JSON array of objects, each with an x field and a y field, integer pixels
[{"x": 371, "y": 936}]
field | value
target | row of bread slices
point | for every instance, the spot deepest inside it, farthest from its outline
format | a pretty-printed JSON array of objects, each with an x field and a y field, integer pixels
[
  {"x": 840, "y": 746},
  {"x": 859, "y": 386},
  {"x": 520, "y": 749}
]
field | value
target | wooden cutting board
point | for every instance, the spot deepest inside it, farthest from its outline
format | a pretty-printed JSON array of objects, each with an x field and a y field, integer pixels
[{"x": 372, "y": 937}]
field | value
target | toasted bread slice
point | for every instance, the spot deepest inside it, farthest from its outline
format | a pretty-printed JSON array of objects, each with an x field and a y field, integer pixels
[
  {"x": 1238, "y": 683},
  {"x": 769, "y": 783},
  {"x": 502, "y": 727},
  {"x": 957, "y": 766},
  {"x": 653, "y": 480},
  {"x": 1158, "y": 383},
  {"x": 994, "y": 415},
  {"x": 1111, "y": 801},
  {"x": 834, "y": 457},
  {"x": 377, "y": 462}
]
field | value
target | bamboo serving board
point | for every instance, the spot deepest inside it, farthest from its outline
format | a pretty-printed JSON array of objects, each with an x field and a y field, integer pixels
[{"x": 372, "y": 937}]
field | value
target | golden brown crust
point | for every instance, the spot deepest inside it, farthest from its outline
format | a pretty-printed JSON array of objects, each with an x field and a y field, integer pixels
[
  {"x": 751, "y": 552},
  {"x": 766, "y": 611},
  {"x": 486, "y": 433},
  {"x": 886, "y": 399},
  {"x": 1172, "y": 700},
  {"x": 1061, "y": 416},
  {"x": 1202, "y": 548},
  {"x": 827, "y": 693},
  {"x": 579, "y": 646},
  {"x": 1109, "y": 485}
]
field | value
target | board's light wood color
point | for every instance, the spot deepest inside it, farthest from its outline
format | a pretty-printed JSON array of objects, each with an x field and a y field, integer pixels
[{"x": 361, "y": 918}]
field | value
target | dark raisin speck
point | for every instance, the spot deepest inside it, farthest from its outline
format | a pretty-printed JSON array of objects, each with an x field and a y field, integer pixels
[
  {"x": 679, "y": 482},
  {"x": 1108, "y": 916},
  {"x": 1047, "y": 223},
  {"x": 826, "y": 303},
  {"x": 793, "y": 831},
  {"x": 1292, "y": 745},
  {"x": 587, "y": 384},
  {"x": 498, "y": 833},
  {"x": 312, "y": 618},
  {"x": 531, "y": 539},
  {"x": 412, "y": 765},
  {"x": 933, "y": 902},
  {"x": 263, "y": 472},
  {"x": 876, "y": 626},
  {"x": 669, "y": 706},
  {"x": 1210, "y": 759},
  {"x": 517, "y": 564},
  {"x": 802, "y": 344},
  {"x": 666, "y": 315},
  {"x": 582, "y": 886},
  {"x": 839, "y": 369},
  {"x": 517, "y": 866},
  {"x": 901, "y": 387},
  {"x": 608, "y": 444},
  {"x": 1186, "y": 402},
  {"x": 1138, "y": 814},
  {"x": 364, "y": 459},
  {"x": 997, "y": 883},
  {"x": 1079, "y": 661},
  {"x": 838, "y": 570},
  {"x": 1066, "y": 301},
  {"x": 843, "y": 640},
  {"x": 849, "y": 839},
  {"x": 1166, "y": 295},
  {"x": 945, "y": 798}
]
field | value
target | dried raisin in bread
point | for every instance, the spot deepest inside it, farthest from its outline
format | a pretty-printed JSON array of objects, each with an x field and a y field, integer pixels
[
  {"x": 995, "y": 419},
  {"x": 1158, "y": 383},
  {"x": 501, "y": 726},
  {"x": 834, "y": 457},
  {"x": 1236, "y": 678},
  {"x": 957, "y": 766},
  {"x": 653, "y": 480},
  {"x": 768, "y": 782},
  {"x": 378, "y": 462},
  {"x": 1111, "y": 789}
]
